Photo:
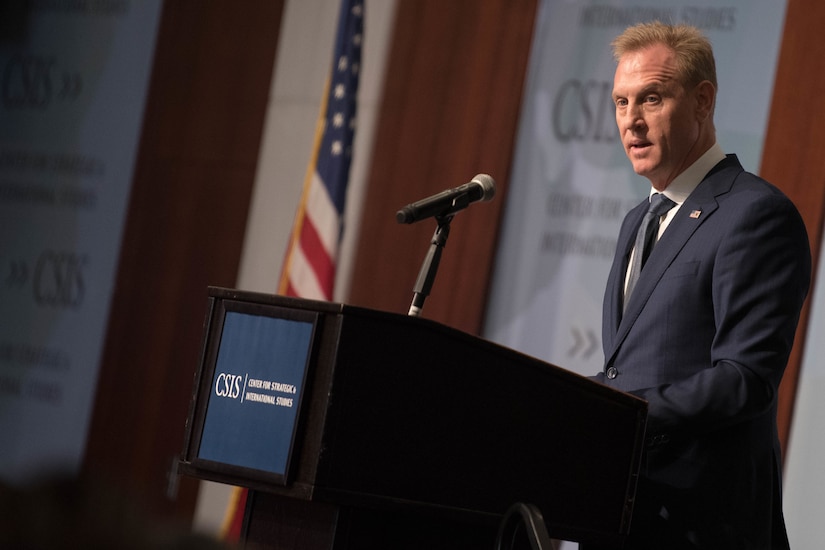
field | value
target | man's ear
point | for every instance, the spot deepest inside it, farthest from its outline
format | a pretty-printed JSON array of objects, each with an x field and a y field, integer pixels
[{"x": 705, "y": 99}]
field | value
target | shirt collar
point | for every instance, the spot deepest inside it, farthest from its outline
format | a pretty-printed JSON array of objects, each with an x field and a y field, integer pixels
[{"x": 687, "y": 181}]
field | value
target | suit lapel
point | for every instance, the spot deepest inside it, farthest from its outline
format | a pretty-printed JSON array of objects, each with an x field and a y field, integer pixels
[{"x": 618, "y": 271}]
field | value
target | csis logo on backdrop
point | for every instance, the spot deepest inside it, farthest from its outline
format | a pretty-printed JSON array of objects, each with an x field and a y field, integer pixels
[{"x": 228, "y": 385}]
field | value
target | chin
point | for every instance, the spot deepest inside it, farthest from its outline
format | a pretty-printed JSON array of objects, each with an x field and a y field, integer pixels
[{"x": 641, "y": 170}]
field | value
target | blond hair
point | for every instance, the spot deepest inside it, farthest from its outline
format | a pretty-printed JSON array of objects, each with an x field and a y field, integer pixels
[{"x": 694, "y": 53}]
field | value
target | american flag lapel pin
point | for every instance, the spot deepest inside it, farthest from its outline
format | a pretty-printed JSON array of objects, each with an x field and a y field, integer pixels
[{"x": 695, "y": 214}]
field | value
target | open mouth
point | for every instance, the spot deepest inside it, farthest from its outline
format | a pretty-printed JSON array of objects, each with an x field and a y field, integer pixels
[{"x": 638, "y": 145}]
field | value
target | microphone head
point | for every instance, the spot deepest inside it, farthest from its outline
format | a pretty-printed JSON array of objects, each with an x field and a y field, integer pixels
[{"x": 488, "y": 186}]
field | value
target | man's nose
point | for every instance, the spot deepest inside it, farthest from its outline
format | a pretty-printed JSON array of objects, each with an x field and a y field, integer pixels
[{"x": 631, "y": 118}]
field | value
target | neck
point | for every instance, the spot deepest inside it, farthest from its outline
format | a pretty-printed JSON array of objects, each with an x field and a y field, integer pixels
[{"x": 705, "y": 140}]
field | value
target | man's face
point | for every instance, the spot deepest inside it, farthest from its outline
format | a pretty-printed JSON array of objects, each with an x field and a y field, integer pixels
[{"x": 659, "y": 120}]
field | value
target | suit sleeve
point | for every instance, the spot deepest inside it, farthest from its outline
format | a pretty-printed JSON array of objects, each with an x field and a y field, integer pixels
[{"x": 760, "y": 280}]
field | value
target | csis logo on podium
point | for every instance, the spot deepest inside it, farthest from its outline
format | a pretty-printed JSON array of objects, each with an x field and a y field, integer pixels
[{"x": 229, "y": 385}]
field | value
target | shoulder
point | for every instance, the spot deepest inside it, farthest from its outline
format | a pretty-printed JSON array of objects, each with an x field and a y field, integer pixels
[{"x": 736, "y": 188}]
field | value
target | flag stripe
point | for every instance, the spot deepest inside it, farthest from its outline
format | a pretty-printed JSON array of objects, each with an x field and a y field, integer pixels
[
  {"x": 303, "y": 278},
  {"x": 324, "y": 216},
  {"x": 316, "y": 266},
  {"x": 322, "y": 264}
]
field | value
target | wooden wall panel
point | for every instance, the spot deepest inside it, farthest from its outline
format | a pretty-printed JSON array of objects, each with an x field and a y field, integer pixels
[
  {"x": 184, "y": 231},
  {"x": 450, "y": 111},
  {"x": 793, "y": 156}
]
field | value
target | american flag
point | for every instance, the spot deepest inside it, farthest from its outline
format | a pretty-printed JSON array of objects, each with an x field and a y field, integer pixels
[{"x": 309, "y": 266}]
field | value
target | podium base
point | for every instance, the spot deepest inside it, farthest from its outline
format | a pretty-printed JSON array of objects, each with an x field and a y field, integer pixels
[{"x": 282, "y": 523}]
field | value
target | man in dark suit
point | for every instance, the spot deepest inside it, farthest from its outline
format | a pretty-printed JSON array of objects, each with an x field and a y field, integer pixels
[{"x": 705, "y": 332}]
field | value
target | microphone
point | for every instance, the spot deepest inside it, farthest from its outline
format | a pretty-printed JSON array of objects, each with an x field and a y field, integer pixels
[{"x": 481, "y": 188}]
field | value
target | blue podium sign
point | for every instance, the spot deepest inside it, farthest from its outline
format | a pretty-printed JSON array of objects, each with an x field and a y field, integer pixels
[{"x": 257, "y": 380}]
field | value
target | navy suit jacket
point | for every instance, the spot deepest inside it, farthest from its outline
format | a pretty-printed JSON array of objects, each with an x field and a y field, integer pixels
[{"x": 705, "y": 339}]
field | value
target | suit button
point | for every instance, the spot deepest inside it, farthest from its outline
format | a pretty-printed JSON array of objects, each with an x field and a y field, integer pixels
[{"x": 612, "y": 373}]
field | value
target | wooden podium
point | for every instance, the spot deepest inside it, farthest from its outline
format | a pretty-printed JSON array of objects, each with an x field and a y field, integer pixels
[{"x": 401, "y": 432}]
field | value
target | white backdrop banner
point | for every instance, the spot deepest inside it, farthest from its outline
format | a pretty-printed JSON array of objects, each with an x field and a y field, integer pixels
[
  {"x": 804, "y": 496},
  {"x": 73, "y": 81},
  {"x": 572, "y": 183}
]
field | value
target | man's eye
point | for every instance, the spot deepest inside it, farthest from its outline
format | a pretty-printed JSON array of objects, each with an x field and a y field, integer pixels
[
  {"x": 652, "y": 99},
  {"x": 621, "y": 102}
]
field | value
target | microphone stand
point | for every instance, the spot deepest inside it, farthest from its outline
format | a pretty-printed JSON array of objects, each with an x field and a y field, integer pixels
[{"x": 426, "y": 275}]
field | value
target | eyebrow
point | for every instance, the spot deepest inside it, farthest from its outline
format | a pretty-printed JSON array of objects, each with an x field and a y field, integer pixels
[{"x": 651, "y": 88}]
